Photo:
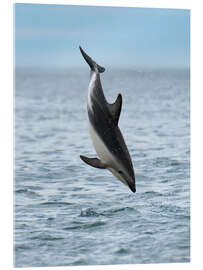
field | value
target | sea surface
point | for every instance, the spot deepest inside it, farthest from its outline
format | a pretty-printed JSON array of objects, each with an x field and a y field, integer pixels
[{"x": 68, "y": 213}]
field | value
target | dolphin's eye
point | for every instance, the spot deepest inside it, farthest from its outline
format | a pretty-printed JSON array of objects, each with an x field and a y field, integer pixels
[{"x": 120, "y": 172}]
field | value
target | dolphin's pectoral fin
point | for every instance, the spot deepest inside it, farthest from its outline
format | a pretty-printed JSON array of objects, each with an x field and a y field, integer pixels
[
  {"x": 115, "y": 108},
  {"x": 94, "y": 162}
]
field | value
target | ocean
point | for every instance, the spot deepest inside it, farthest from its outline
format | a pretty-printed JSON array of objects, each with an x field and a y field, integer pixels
[{"x": 68, "y": 213}]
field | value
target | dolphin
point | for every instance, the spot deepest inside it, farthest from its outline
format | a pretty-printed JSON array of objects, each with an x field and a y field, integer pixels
[{"x": 105, "y": 133}]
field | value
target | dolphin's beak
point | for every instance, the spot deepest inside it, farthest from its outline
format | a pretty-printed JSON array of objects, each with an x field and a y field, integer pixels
[
  {"x": 88, "y": 59},
  {"x": 132, "y": 188}
]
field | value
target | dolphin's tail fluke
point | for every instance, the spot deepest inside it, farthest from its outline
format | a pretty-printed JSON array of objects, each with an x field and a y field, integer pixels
[{"x": 93, "y": 65}]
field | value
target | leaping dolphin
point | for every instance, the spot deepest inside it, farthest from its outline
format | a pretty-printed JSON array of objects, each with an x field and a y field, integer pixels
[{"x": 105, "y": 133}]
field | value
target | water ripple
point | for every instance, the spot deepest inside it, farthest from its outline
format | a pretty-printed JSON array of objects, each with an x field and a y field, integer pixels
[
  {"x": 86, "y": 226},
  {"x": 68, "y": 213}
]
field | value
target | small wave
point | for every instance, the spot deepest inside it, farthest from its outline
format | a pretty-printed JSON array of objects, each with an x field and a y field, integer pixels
[
  {"x": 121, "y": 251},
  {"x": 24, "y": 190},
  {"x": 21, "y": 247},
  {"x": 169, "y": 209},
  {"x": 148, "y": 232},
  {"x": 152, "y": 194},
  {"x": 143, "y": 178},
  {"x": 163, "y": 162},
  {"x": 175, "y": 163},
  {"x": 27, "y": 192},
  {"x": 48, "y": 152},
  {"x": 77, "y": 188},
  {"x": 80, "y": 262},
  {"x": 113, "y": 211},
  {"x": 86, "y": 226},
  {"x": 50, "y": 218},
  {"x": 46, "y": 238},
  {"x": 89, "y": 212},
  {"x": 55, "y": 203},
  {"x": 31, "y": 187}
]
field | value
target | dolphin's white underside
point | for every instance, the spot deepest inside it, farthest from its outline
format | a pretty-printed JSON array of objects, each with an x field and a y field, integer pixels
[
  {"x": 105, "y": 155},
  {"x": 90, "y": 90},
  {"x": 101, "y": 149}
]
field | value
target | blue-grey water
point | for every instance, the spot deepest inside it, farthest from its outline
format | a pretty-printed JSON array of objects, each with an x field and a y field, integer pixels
[{"x": 68, "y": 213}]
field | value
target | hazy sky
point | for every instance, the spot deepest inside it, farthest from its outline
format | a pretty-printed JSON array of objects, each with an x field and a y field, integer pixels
[{"x": 49, "y": 36}]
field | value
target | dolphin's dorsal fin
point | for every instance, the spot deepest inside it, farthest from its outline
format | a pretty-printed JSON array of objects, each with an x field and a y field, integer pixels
[
  {"x": 94, "y": 162},
  {"x": 115, "y": 108}
]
